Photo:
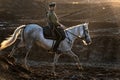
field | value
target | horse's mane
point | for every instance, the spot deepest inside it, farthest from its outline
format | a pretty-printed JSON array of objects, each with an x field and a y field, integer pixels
[{"x": 73, "y": 27}]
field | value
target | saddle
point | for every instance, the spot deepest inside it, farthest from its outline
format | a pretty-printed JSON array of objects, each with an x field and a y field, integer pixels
[{"x": 48, "y": 33}]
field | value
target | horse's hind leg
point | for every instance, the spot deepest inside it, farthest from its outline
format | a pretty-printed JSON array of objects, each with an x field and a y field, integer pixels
[
  {"x": 28, "y": 48},
  {"x": 13, "y": 51},
  {"x": 15, "y": 47},
  {"x": 75, "y": 57},
  {"x": 25, "y": 59}
]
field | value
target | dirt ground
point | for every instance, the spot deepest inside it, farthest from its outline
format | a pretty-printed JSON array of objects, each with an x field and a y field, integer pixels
[{"x": 63, "y": 72}]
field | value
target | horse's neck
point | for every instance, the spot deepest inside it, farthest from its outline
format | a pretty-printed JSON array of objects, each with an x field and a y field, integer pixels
[{"x": 73, "y": 33}]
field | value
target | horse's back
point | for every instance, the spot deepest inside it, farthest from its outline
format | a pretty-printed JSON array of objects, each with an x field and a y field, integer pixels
[
  {"x": 33, "y": 26},
  {"x": 31, "y": 31}
]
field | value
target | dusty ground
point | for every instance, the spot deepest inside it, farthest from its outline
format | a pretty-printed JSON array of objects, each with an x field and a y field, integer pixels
[{"x": 64, "y": 72}]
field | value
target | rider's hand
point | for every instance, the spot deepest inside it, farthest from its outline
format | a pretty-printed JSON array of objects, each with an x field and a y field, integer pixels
[{"x": 62, "y": 26}]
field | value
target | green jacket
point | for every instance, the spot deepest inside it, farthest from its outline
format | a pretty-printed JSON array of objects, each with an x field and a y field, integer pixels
[{"x": 52, "y": 18}]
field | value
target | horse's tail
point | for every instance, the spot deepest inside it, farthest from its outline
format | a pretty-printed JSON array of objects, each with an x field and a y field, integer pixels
[{"x": 10, "y": 40}]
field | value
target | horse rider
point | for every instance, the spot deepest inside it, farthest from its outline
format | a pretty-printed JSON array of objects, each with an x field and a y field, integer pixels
[{"x": 55, "y": 26}]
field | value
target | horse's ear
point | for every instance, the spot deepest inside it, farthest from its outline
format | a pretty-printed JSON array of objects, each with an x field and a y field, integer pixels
[{"x": 87, "y": 23}]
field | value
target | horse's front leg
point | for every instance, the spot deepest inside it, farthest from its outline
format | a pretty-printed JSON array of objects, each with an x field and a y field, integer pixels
[
  {"x": 76, "y": 58},
  {"x": 56, "y": 57}
]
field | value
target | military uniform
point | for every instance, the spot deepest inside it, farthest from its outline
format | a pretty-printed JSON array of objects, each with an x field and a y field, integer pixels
[
  {"x": 56, "y": 28},
  {"x": 52, "y": 19}
]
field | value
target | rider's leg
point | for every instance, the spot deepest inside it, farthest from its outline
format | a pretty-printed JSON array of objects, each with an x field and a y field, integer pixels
[
  {"x": 56, "y": 45},
  {"x": 61, "y": 36},
  {"x": 62, "y": 33}
]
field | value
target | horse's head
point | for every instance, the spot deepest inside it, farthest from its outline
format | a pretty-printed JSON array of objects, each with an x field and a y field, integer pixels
[{"x": 85, "y": 36}]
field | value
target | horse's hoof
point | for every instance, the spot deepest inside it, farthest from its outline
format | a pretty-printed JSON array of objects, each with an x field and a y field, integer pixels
[
  {"x": 53, "y": 74},
  {"x": 80, "y": 68},
  {"x": 11, "y": 60},
  {"x": 25, "y": 67}
]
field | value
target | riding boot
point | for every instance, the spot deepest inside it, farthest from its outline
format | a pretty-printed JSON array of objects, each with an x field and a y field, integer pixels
[{"x": 55, "y": 48}]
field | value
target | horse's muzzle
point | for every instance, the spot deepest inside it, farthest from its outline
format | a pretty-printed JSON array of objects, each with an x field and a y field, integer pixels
[{"x": 89, "y": 42}]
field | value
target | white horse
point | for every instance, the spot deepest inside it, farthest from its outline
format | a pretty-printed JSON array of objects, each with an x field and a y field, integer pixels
[{"x": 33, "y": 33}]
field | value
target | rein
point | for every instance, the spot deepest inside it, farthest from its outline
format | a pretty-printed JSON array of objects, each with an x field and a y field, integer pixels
[
  {"x": 73, "y": 34},
  {"x": 76, "y": 35}
]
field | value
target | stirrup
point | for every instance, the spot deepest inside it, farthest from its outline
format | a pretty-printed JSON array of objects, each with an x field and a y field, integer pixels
[{"x": 58, "y": 51}]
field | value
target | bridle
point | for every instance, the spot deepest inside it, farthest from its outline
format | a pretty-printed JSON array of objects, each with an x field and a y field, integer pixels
[
  {"x": 74, "y": 34},
  {"x": 78, "y": 36},
  {"x": 84, "y": 32}
]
